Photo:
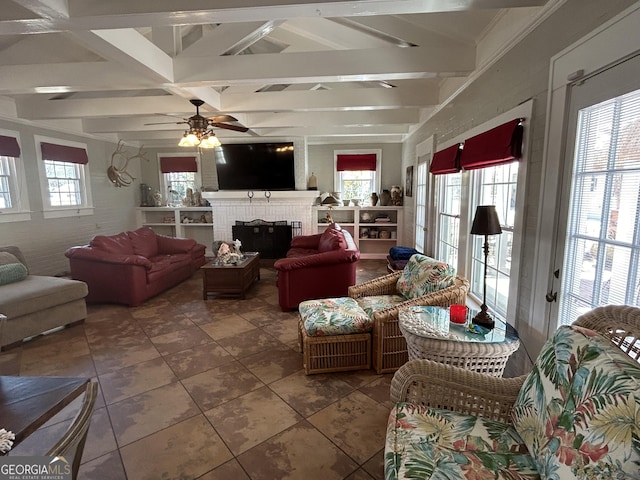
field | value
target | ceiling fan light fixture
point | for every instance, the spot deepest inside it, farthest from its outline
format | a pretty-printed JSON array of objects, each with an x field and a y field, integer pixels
[
  {"x": 189, "y": 140},
  {"x": 209, "y": 141}
]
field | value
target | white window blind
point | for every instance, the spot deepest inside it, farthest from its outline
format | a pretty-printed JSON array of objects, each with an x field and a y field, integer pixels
[
  {"x": 602, "y": 251},
  {"x": 449, "y": 217}
]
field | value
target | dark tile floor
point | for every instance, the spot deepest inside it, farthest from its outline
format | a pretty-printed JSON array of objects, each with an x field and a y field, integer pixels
[{"x": 195, "y": 389}]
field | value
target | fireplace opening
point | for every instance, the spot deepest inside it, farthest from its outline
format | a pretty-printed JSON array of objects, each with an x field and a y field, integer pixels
[{"x": 270, "y": 239}]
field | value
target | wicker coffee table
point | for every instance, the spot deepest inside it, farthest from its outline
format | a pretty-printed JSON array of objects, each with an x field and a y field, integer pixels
[{"x": 431, "y": 335}]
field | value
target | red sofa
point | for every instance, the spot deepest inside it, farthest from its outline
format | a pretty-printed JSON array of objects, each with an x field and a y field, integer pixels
[
  {"x": 131, "y": 267},
  {"x": 317, "y": 266}
]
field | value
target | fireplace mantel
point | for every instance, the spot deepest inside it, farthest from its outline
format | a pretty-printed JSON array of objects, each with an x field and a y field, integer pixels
[
  {"x": 290, "y": 205},
  {"x": 306, "y": 197}
]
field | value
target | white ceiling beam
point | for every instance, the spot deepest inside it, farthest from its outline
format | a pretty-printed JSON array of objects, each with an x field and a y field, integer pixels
[
  {"x": 36, "y": 108},
  {"x": 311, "y": 67},
  {"x": 318, "y": 119},
  {"x": 132, "y": 50},
  {"x": 220, "y": 39},
  {"x": 73, "y": 76},
  {"x": 46, "y": 8},
  {"x": 399, "y": 27},
  {"x": 333, "y": 130},
  {"x": 343, "y": 99},
  {"x": 116, "y": 14}
]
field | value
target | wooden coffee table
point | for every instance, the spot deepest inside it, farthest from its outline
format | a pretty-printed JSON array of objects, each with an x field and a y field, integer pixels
[{"x": 220, "y": 279}]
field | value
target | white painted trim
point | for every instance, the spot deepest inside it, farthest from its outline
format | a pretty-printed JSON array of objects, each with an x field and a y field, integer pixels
[
  {"x": 22, "y": 212},
  {"x": 86, "y": 208},
  {"x": 608, "y": 44},
  {"x": 378, "y": 153}
]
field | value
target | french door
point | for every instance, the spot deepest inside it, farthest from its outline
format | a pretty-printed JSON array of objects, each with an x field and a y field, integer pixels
[
  {"x": 599, "y": 232},
  {"x": 421, "y": 206}
]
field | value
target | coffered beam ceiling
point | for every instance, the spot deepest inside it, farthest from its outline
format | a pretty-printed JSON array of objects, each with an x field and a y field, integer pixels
[{"x": 355, "y": 71}]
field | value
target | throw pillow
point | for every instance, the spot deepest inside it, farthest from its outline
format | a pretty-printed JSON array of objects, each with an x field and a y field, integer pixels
[
  {"x": 423, "y": 275},
  {"x": 331, "y": 239},
  {"x": 144, "y": 242},
  {"x": 6, "y": 258},
  {"x": 12, "y": 272},
  {"x": 578, "y": 410}
]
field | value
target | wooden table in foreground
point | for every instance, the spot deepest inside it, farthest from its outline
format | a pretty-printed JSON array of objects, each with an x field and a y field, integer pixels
[
  {"x": 230, "y": 279},
  {"x": 27, "y": 403}
]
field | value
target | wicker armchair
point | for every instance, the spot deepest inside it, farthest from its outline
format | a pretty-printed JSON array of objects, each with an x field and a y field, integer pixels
[
  {"x": 389, "y": 346},
  {"x": 619, "y": 323},
  {"x": 438, "y": 385}
]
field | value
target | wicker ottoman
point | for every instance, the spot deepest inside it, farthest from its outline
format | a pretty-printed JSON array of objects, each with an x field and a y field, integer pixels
[{"x": 334, "y": 335}]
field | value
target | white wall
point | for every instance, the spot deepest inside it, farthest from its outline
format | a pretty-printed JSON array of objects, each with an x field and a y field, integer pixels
[
  {"x": 44, "y": 241},
  {"x": 521, "y": 75},
  {"x": 321, "y": 162}
]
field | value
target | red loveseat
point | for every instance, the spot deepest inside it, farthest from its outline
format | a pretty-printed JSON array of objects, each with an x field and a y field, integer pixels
[
  {"x": 317, "y": 266},
  {"x": 130, "y": 267}
]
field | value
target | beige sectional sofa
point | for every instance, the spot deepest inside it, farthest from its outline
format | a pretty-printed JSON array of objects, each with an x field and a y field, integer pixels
[{"x": 34, "y": 304}]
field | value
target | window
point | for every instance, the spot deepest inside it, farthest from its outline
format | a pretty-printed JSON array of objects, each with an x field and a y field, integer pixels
[
  {"x": 602, "y": 251},
  {"x": 14, "y": 201},
  {"x": 357, "y": 173},
  {"x": 496, "y": 186},
  {"x": 449, "y": 218},
  {"x": 492, "y": 175},
  {"x": 178, "y": 173},
  {"x": 64, "y": 171}
]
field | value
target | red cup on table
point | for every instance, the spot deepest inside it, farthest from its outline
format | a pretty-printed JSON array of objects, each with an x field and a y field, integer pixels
[{"x": 458, "y": 314}]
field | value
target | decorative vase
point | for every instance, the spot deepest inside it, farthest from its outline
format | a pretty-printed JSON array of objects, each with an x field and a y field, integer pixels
[
  {"x": 374, "y": 199},
  {"x": 385, "y": 198}
]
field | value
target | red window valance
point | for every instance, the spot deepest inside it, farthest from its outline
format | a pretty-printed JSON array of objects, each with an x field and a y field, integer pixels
[
  {"x": 178, "y": 164},
  {"x": 63, "y": 153},
  {"x": 9, "y": 146},
  {"x": 357, "y": 161},
  {"x": 446, "y": 161},
  {"x": 500, "y": 145}
]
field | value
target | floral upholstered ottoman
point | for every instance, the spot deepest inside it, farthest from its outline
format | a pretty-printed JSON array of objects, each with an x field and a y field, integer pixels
[{"x": 334, "y": 335}]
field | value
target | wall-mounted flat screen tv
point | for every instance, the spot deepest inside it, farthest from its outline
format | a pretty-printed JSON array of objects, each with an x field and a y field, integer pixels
[{"x": 255, "y": 166}]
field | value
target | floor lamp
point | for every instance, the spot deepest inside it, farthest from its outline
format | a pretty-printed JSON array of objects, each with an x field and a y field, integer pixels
[{"x": 485, "y": 223}]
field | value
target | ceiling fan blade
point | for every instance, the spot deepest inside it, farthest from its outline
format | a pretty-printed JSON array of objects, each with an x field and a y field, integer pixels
[
  {"x": 228, "y": 126},
  {"x": 222, "y": 118},
  {"x": 165, "y": 123}
]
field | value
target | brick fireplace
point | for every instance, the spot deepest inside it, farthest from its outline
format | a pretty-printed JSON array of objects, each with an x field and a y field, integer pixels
[{"x": 231, "y": 206}]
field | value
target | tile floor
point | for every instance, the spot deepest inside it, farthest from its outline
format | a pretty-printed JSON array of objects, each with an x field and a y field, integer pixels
[{"x": 194, "y": 389}]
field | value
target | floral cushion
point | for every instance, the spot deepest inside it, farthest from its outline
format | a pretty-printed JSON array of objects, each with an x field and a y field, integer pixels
[
  {"x": 333, "y": 316},
  {"x": 437, "y": 444},
  {"x": 375, "y": 303},
  {"x": 578, "y": 411},
  {"x": 423, "y": 275}
]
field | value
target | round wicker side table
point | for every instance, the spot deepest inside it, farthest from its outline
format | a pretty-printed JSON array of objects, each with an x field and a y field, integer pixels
[{"x": 431, "y": 336}]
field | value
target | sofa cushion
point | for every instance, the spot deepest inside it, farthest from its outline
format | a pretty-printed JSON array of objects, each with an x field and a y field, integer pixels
[
  {"x": 578, "y": 411},
  {"x": 297, "y": 252},
  {"x": 119, "y": 243},
  {"x": 36, "y": 293},
  {"x": 437, "y": 444},
  {"x": 423, "y": 275},
  {"x": 333, "y": 316},
  {"x": 12, "y": 272},
  {"x": 374, "y": 303},
  {"x": 144, "y": 242},
  {"x": 7, "y": 258},
  {"x": 331, "y": 239}
]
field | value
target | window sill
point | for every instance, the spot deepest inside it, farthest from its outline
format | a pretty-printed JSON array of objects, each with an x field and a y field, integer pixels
[
  {"x": 68, "y": 212},
  {"x": 8, "y": 217}
]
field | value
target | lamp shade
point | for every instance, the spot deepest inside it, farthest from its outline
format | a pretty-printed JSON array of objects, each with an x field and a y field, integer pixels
[{"x": 486, "y": 221}]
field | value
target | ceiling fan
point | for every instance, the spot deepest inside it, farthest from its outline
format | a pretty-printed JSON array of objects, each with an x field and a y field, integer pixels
[{"x": 198, "y": 122}]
